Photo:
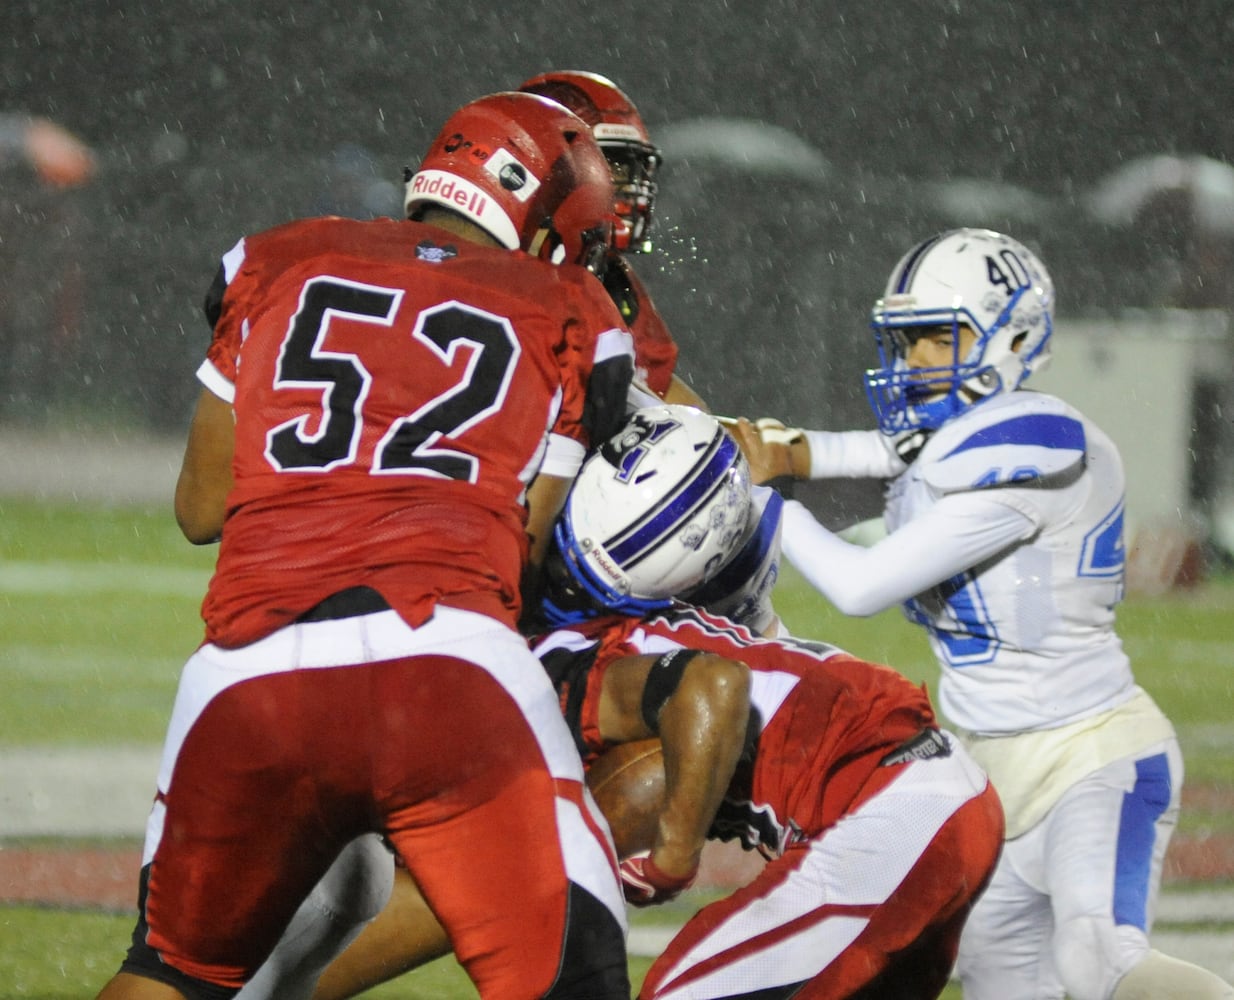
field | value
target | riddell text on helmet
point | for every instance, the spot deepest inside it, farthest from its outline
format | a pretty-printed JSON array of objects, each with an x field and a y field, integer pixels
[
  {"x": 450, "y": 188},
  {"x": 609, "y": 568}
]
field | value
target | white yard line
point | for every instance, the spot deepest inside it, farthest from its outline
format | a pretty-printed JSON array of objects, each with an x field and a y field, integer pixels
[
  {"x": 85, "y": 792},
  {"x": 61, "y": 578}
]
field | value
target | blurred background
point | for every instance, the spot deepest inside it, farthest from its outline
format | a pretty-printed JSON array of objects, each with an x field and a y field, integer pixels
[{"x": 807, "y": 146}]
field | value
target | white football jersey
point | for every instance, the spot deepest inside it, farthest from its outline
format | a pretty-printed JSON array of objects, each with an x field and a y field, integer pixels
[
  {"x": 1005, "y": 541},
  {"x": 1026, "y": 640}
]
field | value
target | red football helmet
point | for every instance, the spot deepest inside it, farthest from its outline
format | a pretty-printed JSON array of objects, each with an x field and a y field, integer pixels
[
  {"x": 527, "y": 171},
  {"x": 619, "y": 129}
]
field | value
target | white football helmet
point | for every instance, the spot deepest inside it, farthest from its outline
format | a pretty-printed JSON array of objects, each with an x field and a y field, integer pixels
[
  {"x": 741, "y": 590},
  {"x": 966, "y": 277},
  {"x": 654, "y": 512}
]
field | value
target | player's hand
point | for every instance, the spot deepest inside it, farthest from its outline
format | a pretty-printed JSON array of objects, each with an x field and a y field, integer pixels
[
  {"x": 768, "y": 447},
  {"x": 773, "y": 431},
  {"x": 646, "y": 885},
  {"x": 908, "y": 444}
]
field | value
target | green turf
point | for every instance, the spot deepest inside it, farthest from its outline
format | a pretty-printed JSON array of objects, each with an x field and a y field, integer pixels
[
  {"x": 99, "y": 609},
  {"x": 58, "y": 955}
]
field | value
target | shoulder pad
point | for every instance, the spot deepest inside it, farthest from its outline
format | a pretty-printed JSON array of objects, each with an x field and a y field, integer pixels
[{"x": 1025, "y": 441}]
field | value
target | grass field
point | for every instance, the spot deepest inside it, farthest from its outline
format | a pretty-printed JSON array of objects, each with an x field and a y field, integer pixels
[{"x": 99, "y": 608}]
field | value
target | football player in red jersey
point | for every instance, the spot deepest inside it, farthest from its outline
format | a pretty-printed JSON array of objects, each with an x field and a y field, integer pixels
[
  {"x": 393, "y": 412},
  {"x": 634, "y": 160},
  {"x": 879, "y": 830}
]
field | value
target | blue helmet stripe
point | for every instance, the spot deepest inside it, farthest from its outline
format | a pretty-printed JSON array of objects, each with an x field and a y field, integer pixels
[
  {"x": 910, "y": 264},
  {"x": 704, "y": 479}
]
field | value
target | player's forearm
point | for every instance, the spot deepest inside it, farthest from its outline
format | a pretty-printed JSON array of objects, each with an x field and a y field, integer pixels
[
  {"x": 703, "y": 732},
  {"x": 680, "y": 393},
  {"x": 960, "y": 532},
  {"x": 205, "y": 478},
  {"x": 545, "y": 497},
  {"x": 847, "y": 455}
]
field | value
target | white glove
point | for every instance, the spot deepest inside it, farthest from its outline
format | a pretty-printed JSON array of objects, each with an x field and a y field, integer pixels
[
  {"x": 772, "y": 431},
  {"x": 908, "y": 444}
]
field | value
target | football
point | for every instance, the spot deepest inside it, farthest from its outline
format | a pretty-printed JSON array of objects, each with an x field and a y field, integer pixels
[{"x": 627, "y": 783}]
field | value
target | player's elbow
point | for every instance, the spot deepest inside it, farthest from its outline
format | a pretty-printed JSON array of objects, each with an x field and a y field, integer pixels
[
  {"x": 197, "y": 534},
  {"x": 200, "y": 523},
  {"x": 721, "y": 687},
  {"x": 859, "y": 605}
]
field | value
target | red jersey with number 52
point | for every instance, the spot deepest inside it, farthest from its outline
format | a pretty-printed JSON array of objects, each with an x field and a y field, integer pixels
[{"x": 395, "y": 390}]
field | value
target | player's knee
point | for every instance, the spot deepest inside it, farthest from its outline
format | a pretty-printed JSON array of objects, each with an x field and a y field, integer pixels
[
  {"x": 358, "y": 884},
  {"x": 1160, "y": 977},
  {"x": 1090, "y": 958}
]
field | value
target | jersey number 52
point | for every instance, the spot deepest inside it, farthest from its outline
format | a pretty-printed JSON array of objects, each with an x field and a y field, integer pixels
[{"x": 410, "y": 444}]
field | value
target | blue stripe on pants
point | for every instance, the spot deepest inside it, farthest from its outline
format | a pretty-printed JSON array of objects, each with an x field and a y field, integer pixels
[{"x": 1142, "y": 806}]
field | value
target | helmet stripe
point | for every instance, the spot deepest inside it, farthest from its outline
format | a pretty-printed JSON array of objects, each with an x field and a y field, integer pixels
[
  {"x": 911, "y": 263},
  {"x": 699, "y": 486}
]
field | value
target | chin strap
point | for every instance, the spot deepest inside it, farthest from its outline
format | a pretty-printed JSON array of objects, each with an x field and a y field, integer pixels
[{"x": 908, "y": 444}]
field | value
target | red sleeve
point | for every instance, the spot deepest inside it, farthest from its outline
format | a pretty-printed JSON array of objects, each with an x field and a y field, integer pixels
[{"x": 225, "y": 309}]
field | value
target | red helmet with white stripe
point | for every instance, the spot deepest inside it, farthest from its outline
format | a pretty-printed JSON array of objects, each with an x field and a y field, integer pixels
[{"x": 527, "y": 171}]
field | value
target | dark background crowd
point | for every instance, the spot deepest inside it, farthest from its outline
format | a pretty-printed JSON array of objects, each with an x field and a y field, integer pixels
[{"x": 807, "y": 145}]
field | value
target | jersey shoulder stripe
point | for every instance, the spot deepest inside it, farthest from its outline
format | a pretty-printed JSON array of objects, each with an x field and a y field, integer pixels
[
  {"x": 1021, "y": 439},
  {"x": 1043, "y": 430}
]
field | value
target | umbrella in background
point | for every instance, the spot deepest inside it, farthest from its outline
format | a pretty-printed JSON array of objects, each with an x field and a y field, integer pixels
[
  {"x": 1199, "y": 184},
  {"x": 58, "y": 157},
  {"x": 745, "y": 145}
]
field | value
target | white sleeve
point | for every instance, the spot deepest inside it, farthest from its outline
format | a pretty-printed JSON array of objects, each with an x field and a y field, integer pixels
[
  {"x": 957, "y": 533},
  {"x": 212, "y": 379},
  {"x": 564, "y": 457},
  {"x": 639, "y": 396},
  {"x": 852, "y": 455}
]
